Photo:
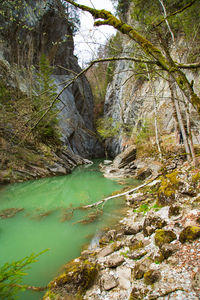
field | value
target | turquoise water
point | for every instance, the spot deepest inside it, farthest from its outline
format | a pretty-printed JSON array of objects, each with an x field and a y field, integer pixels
[{"x": 49, "y": 220}]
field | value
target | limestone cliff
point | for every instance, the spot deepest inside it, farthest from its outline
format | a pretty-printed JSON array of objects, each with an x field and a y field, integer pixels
[
  {"x": 131, "y": 95},
  {"x": 29, "y": 29}
]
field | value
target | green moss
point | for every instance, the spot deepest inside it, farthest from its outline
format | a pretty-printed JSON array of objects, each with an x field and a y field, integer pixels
[
  {"x": 78, "y": 276},
  {"x": 196, "y": 177},
  {"x": 189, "y": 233},
  {"x": 138, "y": 293},
  {"x": 151, "y": 276},
  {"x": 164, "y": 237},
  {"x": 168, "y": 186},
  {"x": 136, "y": 246}
]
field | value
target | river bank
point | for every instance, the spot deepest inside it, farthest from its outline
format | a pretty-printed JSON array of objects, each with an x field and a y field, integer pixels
[{"x": 153, "y": 252}]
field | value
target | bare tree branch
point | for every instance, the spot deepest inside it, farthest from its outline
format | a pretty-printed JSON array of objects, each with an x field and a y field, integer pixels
[{"x": 176, "y": 12}]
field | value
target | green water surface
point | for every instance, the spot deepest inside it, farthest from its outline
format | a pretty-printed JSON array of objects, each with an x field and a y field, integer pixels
[{"x": 48, "y": 220}]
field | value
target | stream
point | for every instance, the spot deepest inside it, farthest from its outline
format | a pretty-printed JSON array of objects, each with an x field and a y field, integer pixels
[{"x": 42, "y": 214}]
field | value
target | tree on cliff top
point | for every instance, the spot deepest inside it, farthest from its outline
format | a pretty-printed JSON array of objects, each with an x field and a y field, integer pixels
[{"x": 164, "y": 61}]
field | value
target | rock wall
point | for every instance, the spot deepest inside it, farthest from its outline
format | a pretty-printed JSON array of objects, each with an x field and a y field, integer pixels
[
  {"x": 41, "y": 27},
  {"x": 129, "y": 99}
]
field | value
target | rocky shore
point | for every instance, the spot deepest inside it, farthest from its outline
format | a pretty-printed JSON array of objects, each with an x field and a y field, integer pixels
[{"x": 152, "y": 253}]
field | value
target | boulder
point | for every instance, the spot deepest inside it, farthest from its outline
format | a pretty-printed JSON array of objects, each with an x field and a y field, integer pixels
[
  {"x": 114, "y": 260},
  {"x": 108, "y": 282},
  {"x": 164, "y": 237},
  {"x": 151, "y": 223},
  {"x": 190, "y": 233},
  {"x": 125, "y": 157}
]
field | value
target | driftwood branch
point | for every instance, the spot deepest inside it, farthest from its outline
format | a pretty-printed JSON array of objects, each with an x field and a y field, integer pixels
[{"x": 119, "y": 195}]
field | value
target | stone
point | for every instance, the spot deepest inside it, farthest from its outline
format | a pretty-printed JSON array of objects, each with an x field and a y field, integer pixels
[
  {"x": 134, "y": 229},
  {"x": 190, "y": 233},
  {"x": 58, "y": 170},
  {"x": 109, "y": 249},
  {"x": 164, "y": 237},
  {"x": 125, "y": 157},
  {"x": 151, "y": 223},
  {"x": 142, "y": 174},
  {"x": 138, "y": 293},
  {"x": 124, "y": 277},
  {"x": 152, "y": 276},
  {"x": 137, "y": 254},
  {"x": 174, "y": 210},
  {"x": 141, "y": 268},
  {"x": 114, "y": 260},
  {"x": 108, "y": 282},
  {"x": 168, "y": 249},
  {"x": 78, "y": 276}
]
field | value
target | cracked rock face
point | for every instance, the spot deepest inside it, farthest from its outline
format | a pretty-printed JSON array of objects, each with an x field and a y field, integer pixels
[{"x": 45, "y": 30}]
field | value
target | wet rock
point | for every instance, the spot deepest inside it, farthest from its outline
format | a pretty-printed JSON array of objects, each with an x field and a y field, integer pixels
[
  {"x": 168, "y": 249},
  {"x": 151, "y": 223},
  {"x": 152, "y": 276},
  {"x": 114, "y": 260},
  {"x": 108, "y": 281},
  {"x": 164, "y": 237},
  {"x": 190, "y": 233}
]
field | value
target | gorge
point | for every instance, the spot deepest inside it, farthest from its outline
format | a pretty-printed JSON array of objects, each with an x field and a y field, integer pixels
[{"x": 140, "y": 109}]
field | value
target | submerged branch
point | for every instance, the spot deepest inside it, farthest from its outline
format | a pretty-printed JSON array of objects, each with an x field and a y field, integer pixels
[{"x": 31, "y": 287}]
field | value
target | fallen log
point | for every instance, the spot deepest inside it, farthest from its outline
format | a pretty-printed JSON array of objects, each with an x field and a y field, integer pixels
[{"x": 119, "y": 195}]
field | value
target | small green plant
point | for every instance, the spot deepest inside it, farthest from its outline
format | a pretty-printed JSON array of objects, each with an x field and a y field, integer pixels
[
  {"x": 107, "y": 128},
  {"x": 11, "y": 275},
  {"x": 144, "y": 208},
  {"x": 124, "y": 253}
]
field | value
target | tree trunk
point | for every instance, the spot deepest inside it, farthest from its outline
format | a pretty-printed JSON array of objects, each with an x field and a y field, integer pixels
[
  {"x": 176, "y": 125},
  {"x": 189, "y": 133}
]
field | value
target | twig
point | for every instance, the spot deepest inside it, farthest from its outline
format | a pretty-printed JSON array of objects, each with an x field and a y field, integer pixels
[{"x": 176, "y": 12}]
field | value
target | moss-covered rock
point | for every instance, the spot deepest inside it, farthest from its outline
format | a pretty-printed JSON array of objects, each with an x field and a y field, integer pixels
[
  {"x": 174, "y": 210},
  {"x": 151, "y": 223},
  {"x": 164, "y": 237},
  {"x": 190, "y": 233},
  {"x": 141, "y": 268},
  {"x": 138, "y": 293},
  {"x": 78, "y": 276},
  {"x": 152, "y": 276}
]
